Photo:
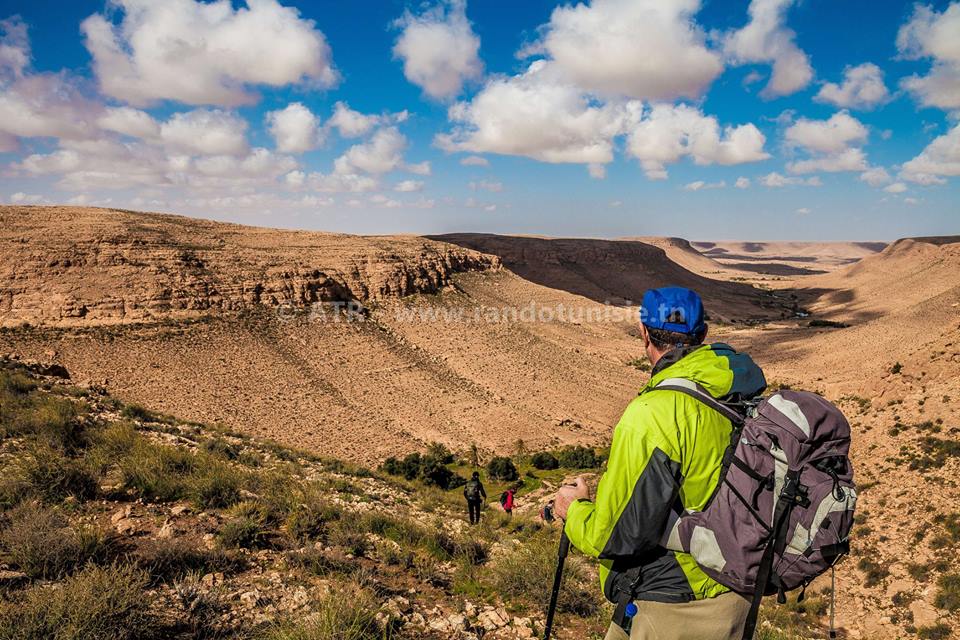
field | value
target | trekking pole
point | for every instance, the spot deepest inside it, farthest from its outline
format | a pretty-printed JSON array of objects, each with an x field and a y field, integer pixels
[{"x": 557, "y": 579}]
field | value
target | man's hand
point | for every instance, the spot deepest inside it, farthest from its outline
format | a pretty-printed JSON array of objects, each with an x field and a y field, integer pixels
[{"x": 567, "y": 495}]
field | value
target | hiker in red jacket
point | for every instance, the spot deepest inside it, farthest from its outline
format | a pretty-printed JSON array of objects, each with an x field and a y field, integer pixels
[{"x": 506, "y": 501}]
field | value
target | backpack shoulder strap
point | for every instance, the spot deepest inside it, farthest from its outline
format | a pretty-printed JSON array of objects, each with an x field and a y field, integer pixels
[{"x": 694, "y": 390}]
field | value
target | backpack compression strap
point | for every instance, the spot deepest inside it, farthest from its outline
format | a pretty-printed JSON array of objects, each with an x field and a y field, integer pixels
[{"x": 692, "y": 389}]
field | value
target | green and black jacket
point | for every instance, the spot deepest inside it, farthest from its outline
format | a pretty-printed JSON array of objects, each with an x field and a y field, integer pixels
[{"x": 666, "y": 454}]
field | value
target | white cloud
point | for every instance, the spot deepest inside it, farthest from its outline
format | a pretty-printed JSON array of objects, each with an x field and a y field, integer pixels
[
  {"x": 419, "y": 168},
  {"x": 341, "y": 182},
  {"x": 46, "y": 105},
  {"x": 940, "y": 158},
  {"x": 699, "y": 185},
  {"x": 766, "y": 39},
  {"x": 667, "y": 133},
  {"x": 205, "y": 131},
  {"x": 597, "y": 171},
  {"x": 647, "y": 49},
  {"x": 827, "y": 136},
  {"x": 486, "y": 185},
  {"x": 896, "y": 187},
  {"x": 439, "y": 49},
  {"x": 14, "y": 47},
  {"x": 911, "y": 201},
  {"x": 350, "y": 123},
  {"x": 929, "y": 34},
  {"x": 381, "y": 154},
  {"x": 742, "y": 183},
  {"x": 876, "y": 176},
  {"x": 26, "y": 198},
  {"x": 862, "y": 88},
  {"x": 776, "y": 180},
  {"x": 260, "y": 164},
  {"x": 408, "y": 186},
  {"x": 536, "y": 115},
  {"x": 803, "y": 211},
  {"x": 474, "y": 161},
  {"x": 294, "y": 128},
  {"x": 129, "y": 122},
  {"x": 616, "y": 203},
  {"x": 295, "y": 179},
  {"x": 204, "y": 52},
  {"x": 832, "y": 143},
  {"x": 851, "y": 159}
]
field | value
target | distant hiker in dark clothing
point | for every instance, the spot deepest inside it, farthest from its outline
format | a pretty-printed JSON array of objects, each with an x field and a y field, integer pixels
[
  {"x": 475, "y": 495},
  {"x": 506, "y": 501}
]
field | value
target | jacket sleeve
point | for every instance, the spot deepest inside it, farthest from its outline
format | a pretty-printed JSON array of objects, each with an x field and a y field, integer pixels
[
  {"x": 483, "y": 492},
  {"x": 635, "y": 494}
]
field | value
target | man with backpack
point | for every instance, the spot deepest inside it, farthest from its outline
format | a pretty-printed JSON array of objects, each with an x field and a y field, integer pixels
[
  {"x": 666, "y": 454},
  {"x": 475, "y": 494},
  {"x": 711, "y": 494}
]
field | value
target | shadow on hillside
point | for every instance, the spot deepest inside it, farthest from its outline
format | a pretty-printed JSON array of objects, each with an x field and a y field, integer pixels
[{"x": 619, "y": 272}]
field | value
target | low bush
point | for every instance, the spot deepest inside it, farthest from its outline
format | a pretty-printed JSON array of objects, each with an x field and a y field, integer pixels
[
  {"x": 99, "y": 603},
  {"x": 578, "y": 457},
  {"x": 939, "y": 631},
  {"x": 167, "y": 561},
  {"x": 51, "y": 475},
  {"x": 40, "y": 542},
  {"x": 544, "y": 461},
  {"x": 503, "y": 469},
  {"x": 430, "y": 468},
  {"x": 310, "y": 520},
  {"x": 948, "y": 592},
  {"x": 348, "y": 612},
  {"x": 242, "y": 533},
  {"x": 525, "y": 572},
  {"x": 215, "y": 484},
  {"x": 156, "y": 472}
]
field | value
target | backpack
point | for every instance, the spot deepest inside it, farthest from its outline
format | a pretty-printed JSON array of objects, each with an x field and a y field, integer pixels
[
  {"x": 782, "y": 510},
  {"x": 472, "y": 490},
  {"x": 503, "y": 499}
]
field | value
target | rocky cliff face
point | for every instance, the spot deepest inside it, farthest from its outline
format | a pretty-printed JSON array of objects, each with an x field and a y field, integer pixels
[{"x": 66, "y": 265}]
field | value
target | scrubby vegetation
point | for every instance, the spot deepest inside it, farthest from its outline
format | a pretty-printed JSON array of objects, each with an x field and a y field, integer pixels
[{"x": 120, "y": 523}]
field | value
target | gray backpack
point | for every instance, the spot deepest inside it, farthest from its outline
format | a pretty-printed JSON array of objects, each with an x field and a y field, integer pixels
[{"x": 782, "y": 510}]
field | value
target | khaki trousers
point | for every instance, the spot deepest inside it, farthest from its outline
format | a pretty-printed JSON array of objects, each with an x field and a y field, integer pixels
[{"x": 720, "y": 618}]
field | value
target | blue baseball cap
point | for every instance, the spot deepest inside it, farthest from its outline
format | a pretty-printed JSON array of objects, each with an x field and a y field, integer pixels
[{"x": 673, "y": 309}]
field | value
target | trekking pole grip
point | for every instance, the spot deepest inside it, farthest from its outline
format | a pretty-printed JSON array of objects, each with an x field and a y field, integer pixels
[{"x": 562, "y": 552}]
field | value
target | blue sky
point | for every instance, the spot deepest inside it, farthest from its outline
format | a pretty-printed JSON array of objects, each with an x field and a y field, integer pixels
[{"x": 768, "y": 119}]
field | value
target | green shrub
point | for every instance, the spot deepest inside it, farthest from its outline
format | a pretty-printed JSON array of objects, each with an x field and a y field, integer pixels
[
  {"x": 310, "y": 520},
  {"x": 216, "y": 485},
  {"x": 157, "y": 472},
  {"x": 167, "y": 561},
  {"x": 948, "y": 592},
  {"x": 544, "y": 461},
  {"x": 40, "y": 542},
  {"x": 939, "y": 631},
  {"x": 502, "y": 469},
  {"x": 51, "y": 475},
  {"x": 138, "y": 412},
  {"x": 245, "y": 533},
  {"x": 321, "y": 562},
  {"x": 874, "y": 571},
  {"x": 578, "y": 457},
  {"x": 99, "y": 603},
  {"x": 346, "y": 613},
  {"x": 896, "y": 368},
  {"x": 526, "y": 571},
  {"x": 439, "y": 452},
  {"x": 220, "y": 447}
]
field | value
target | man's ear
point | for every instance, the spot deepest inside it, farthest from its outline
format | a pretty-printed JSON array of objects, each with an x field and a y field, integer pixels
[
  {"x": 644, "y": 335},
  {"x": 703, "y": 334}
]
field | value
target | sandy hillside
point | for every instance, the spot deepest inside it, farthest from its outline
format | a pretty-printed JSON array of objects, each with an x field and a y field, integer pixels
[
  {"x": 619, "y": 271},
  {"x": 787, "y": 258}
]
